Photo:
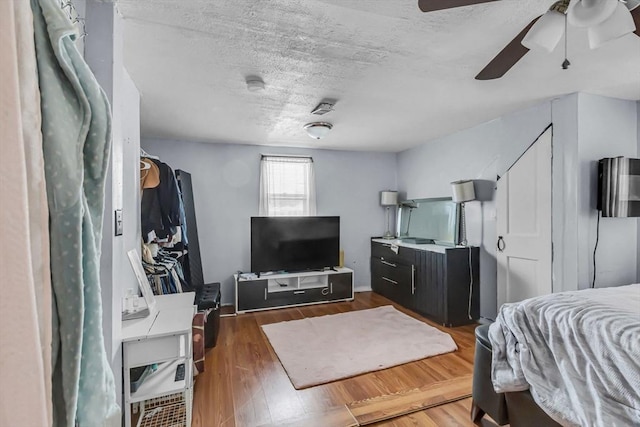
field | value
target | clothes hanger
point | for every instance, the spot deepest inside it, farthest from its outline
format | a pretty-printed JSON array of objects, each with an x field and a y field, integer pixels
[{"x": 147, "y": 155}]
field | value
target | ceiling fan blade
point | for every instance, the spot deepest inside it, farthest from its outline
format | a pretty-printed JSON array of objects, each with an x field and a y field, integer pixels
[
  {"x": 635, "y": 13},
  {"x": 433, "y": 5},
  {"x": 507, "y": 57}
]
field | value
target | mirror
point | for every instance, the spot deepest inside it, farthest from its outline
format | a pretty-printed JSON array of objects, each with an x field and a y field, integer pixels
[{"x": 428, "y": 221}]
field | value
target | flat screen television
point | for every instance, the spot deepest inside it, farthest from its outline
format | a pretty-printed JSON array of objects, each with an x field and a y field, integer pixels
[{"x": 294, "y": 243}]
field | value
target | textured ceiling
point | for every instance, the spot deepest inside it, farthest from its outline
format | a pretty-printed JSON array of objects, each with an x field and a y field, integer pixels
[{"x": 400, "y": 77}]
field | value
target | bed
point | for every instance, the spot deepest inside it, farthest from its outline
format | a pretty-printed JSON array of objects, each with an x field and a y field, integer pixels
[{"x": 577, "y": 353}]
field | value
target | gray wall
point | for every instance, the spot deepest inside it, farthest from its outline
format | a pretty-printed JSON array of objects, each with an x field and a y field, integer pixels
[
  {"x": 607, "y": 127},
  {"x": 585, "y": 129},
  {"x": 480, "y": 153},
  {"x": 226, "y": 192}
]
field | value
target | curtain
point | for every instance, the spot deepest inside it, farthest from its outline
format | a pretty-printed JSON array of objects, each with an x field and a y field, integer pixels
[
  {"x": 76, "y": 130},
  {"x": 25, "y": 303},
  {"x": 287, "y": 186}
]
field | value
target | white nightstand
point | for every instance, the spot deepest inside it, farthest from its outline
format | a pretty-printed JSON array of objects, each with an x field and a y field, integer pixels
[{"x": 162, "y": 338}]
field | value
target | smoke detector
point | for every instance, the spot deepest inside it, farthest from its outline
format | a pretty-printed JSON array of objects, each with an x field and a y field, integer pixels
[
  {"x": 255, "y": 84},
  {"x": 322, "y": 108}
]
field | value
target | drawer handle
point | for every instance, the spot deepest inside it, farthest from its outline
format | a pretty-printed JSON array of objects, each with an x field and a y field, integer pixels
[
  {"x": 390, "y": 264},
  {"x": 325, "y": 291},
  {"x": 389, "y": 280},
  {"x": 298, "y": 292},
  {"x": 413, "y": 280}
]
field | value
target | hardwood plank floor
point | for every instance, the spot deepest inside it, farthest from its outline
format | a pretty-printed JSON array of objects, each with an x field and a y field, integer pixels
[{"x": 245, "y": 385}]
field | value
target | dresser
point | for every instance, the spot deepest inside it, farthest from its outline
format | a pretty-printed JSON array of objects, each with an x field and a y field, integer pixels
[{"x": 434, "y": 281}]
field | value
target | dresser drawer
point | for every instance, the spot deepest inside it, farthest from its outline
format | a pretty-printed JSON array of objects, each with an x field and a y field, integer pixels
[
  {"x": 384, "y": 252},
  {"x": 400, "y": 273}
]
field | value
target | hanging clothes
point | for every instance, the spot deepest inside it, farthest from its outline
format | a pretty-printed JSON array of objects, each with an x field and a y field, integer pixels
[
  {"x": 161, "y": 206},
  {"x": 76, "y": 128},
  {"x": 149, "y": 174},
  {"x": 25, "y": 303}
]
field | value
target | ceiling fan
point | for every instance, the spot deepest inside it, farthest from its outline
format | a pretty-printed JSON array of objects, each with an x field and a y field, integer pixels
[{"x": 605, "y": 20}]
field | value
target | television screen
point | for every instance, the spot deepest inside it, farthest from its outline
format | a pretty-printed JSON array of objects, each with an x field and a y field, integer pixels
[
  {"x": 619, "y": 187},
  {"x": 299, "y": 243}
]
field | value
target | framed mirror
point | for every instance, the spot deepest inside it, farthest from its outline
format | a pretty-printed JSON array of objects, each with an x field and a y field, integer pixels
[
  {"x": 147, "y": 294},
  {"x": 428, "y": 221}
]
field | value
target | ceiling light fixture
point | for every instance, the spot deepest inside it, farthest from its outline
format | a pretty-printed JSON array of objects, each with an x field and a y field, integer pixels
[
  {"x": 548, "y": 30},
  {"x": 587, "y": 13},
  {"x": 318, "y": 130},
  {"x": 254, "y": 84},
  {"x": 620, "y": 23}
]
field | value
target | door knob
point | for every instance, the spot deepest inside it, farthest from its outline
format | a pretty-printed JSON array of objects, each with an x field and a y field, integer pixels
[{"x": 501, "y": 244}]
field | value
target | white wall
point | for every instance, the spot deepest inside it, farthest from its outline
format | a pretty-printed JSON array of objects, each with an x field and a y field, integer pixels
[
  {"x": 564, "y": 195},
  {"x": 226, "y": 193},
  {"x": 480, "y": 153},
  {"x": 103, "y": 52}
]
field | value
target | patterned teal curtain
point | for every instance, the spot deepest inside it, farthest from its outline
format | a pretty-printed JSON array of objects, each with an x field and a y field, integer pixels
[{"x": 76, "y": 130}]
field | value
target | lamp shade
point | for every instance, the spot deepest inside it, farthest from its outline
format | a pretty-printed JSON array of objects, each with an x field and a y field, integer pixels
[
  {"x": 463, "y": 191},
  {"x": 546, "y": 32},
  {"x": 617, "y": 25},
  {"x": 388, "y": 198}
]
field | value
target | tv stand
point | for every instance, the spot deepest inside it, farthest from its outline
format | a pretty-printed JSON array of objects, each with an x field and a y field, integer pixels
[{"x": 293, "y": 289}]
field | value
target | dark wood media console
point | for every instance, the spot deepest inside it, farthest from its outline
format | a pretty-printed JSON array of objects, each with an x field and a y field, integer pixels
[{"x": 291, "y": 289}]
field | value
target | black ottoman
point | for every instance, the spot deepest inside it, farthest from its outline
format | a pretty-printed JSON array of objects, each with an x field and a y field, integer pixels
[
  {"x": 485, "y": 399},
  {"x": 208, "y": 300},
  {"x": 516, "y": 408}
]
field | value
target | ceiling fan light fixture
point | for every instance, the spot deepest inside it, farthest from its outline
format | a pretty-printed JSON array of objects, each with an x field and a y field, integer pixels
[
  {"x": 546, "y": 33},
  {"x": 620, "y": 23},
  {"x": 317, "y": 130},
  {"x": 587, "y": 13}
]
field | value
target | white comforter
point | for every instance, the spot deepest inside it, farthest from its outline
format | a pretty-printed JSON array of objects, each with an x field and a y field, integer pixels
[{"x": 577, "y": 352}]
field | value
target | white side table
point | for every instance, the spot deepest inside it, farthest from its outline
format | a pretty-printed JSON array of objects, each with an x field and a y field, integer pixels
[{"x": 162, "y": 338}]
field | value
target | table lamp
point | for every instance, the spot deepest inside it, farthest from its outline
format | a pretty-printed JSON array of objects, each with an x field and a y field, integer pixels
[
  {"x": 388, "y": 198},
  {"x": 463, "y": 192}
]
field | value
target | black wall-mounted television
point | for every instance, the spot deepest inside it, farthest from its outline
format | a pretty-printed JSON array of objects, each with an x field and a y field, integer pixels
[
  {"x": 619, "y": 187},
  {"x": 294, "y": 243}
]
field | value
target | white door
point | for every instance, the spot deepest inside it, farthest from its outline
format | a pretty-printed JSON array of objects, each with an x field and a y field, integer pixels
[{"x": 524, "y": 225}]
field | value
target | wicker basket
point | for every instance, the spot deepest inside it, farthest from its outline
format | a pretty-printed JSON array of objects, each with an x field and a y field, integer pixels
[{"x": 166, "y": 411}]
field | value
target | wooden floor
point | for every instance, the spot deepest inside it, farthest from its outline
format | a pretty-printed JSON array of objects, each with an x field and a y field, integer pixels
[{"x": 244, "y": 383}]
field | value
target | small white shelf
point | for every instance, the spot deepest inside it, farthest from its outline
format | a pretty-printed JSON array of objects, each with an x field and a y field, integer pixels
[
  {"x": 292, "y": 283},
  {"x": 162, "y": 381}
]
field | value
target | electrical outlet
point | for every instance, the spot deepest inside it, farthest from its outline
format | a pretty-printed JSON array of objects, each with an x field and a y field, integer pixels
[{"x": 118, "y": 222}]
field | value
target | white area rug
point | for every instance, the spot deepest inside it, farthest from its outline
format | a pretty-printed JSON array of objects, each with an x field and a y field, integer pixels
[{"x": 319, "y": 350}]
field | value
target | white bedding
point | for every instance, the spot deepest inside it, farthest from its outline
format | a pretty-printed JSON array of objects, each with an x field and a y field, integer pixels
[{"x": 577, "y": 352}]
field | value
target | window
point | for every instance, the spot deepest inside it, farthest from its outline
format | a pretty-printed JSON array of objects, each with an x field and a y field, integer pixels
[{"x": 287, "y": 186}]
